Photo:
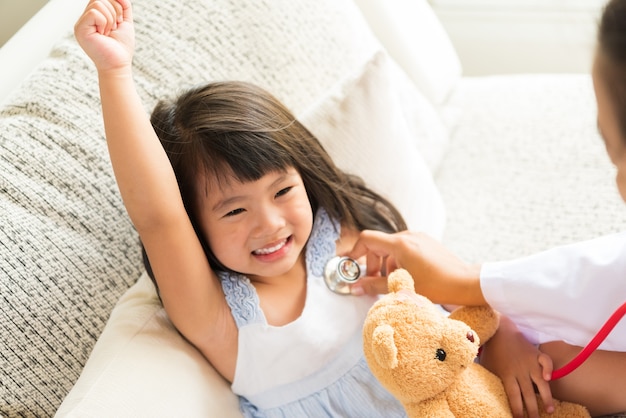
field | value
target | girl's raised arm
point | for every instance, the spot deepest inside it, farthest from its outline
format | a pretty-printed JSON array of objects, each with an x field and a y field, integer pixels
[{"x": 190, "y": 290}]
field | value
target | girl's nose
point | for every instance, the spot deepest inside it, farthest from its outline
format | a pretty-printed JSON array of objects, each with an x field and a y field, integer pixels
[{"x": 270, "y": 220}]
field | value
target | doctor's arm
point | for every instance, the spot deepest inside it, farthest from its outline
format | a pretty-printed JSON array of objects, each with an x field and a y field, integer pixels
[{"x": 438, "y": 274}]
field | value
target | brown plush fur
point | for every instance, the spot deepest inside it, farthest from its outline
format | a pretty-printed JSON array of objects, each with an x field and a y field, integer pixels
[{"x": 426, "y": 360}]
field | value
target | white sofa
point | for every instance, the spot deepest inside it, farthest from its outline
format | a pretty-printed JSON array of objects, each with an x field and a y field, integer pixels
[{"x": 496, "y": 167}]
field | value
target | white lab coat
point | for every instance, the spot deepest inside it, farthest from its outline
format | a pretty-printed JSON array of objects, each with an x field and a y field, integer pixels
[{"x": 566, "y": 293}]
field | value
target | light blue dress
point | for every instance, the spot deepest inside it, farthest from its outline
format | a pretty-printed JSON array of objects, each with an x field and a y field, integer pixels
[{"x": 313, "y": 366}]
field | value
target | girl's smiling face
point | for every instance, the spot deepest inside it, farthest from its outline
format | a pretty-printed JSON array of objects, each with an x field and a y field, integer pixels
[
  {"x": 258, "y": 228},
  {"x": 608, "y": 123}
]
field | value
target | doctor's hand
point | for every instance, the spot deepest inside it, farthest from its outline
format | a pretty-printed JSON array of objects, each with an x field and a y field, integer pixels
[{"x": 438, "y": 274}]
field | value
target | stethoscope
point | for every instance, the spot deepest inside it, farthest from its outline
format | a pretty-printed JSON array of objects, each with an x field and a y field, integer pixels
[{"x": 340, "y": 273}]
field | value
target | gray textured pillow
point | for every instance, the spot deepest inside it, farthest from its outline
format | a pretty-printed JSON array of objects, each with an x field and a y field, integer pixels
[{"x": 67, "y": 248}]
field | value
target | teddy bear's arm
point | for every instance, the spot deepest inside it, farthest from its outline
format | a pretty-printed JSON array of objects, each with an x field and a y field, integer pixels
[
  {"x": 483, "y": 320},
  {"x": 436, "y": 407}
]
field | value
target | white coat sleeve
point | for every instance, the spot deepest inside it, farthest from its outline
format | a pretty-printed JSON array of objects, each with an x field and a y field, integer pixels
[{"x": 566, "y": 293}]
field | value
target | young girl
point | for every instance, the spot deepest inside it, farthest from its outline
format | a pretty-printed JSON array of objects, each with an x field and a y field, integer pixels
[
  {"x": 239, "y": 208},
  {"x": 560, "y": 298}
]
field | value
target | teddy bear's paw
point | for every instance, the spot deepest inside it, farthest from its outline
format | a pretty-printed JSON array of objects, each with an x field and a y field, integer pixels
[
  {"x": 483, "y": 320},
  {"x": 400, "y": 279},
  {"x": 564, "y": 410}
]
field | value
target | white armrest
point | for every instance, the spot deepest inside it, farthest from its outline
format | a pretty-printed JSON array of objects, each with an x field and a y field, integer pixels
[
  {"x": 23, "y": 52},
  {"x": 414, "y": 37}
]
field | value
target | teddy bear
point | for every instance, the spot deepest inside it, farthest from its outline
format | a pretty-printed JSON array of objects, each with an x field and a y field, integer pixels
[{"x": 427, "y": 359}]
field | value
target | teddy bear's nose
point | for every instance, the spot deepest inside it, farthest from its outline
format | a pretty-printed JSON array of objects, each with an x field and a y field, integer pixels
[{"x": 470, "y": 336}]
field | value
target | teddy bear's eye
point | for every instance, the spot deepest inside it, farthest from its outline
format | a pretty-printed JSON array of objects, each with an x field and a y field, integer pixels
[{"x": 440, "y": 354}]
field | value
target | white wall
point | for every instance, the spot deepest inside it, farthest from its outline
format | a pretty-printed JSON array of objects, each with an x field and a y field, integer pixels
[{"x": 517, "y": 36}]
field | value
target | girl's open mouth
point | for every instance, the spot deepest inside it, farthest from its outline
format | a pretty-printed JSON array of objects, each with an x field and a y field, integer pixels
[{"x": 272, "y": 249}]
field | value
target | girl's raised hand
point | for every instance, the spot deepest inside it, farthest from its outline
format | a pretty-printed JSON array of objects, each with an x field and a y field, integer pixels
[{"x": 105, "y": 32}]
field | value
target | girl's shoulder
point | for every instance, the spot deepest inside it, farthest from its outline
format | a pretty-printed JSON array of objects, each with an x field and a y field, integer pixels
[
  {"x": 328, "y": 228},
  {"x": 347, "y": 238}
]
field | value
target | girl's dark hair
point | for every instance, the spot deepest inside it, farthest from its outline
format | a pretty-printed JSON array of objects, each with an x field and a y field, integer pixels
[
  {"x": 612, "y": 49},
  {"x": 238, "y": 129}
]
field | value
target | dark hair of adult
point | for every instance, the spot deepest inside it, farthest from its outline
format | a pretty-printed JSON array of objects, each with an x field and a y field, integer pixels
[
  {"x": 226, "y": 129},
  {"x": 612, "y": 55}
]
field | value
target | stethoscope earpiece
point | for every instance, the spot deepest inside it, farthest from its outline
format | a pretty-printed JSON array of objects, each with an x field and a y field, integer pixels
[{"x": 340, "y": 273}]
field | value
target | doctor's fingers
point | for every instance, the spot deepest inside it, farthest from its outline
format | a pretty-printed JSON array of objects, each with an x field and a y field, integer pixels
[
  {"x": 370, "y": 285},
  {"x": 373, "y": 243}
]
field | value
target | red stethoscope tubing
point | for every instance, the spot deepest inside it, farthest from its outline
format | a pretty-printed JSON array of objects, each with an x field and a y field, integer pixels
[{"x": 592, "y": 346}]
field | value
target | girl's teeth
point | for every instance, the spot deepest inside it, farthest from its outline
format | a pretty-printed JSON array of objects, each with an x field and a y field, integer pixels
[{"x": 264, "y": 251}]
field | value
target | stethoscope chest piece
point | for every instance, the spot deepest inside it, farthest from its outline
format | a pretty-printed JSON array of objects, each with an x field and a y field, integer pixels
[{"x": 340, "y": 273}]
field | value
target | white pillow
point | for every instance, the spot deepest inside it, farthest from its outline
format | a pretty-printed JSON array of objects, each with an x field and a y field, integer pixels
[
  {"x": 142, "y": 367},
  {"x": 370, "y": 127},
  {"x": 414, "y": 37}
]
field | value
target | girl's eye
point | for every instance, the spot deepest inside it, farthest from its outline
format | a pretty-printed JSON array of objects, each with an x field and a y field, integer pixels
[
  {"x": 284, "y": 191},
  {"x": 234, "y": 212}
]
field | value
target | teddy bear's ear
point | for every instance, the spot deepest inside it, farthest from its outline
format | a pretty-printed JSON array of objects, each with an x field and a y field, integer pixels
[
  {"x": 400, "y": 279},
  {"x": 384, "y": 347}
]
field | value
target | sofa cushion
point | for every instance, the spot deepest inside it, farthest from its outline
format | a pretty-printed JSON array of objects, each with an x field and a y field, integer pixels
[{"x": 526, "y": 169}]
